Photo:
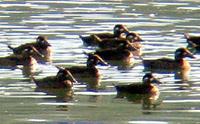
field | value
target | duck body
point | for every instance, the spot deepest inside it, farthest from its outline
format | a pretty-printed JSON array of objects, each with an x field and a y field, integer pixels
[
  {"x": 41, "y": 45},
  {"x": 90, "y": 69},
  {"x": 166, "y": 64},
  {"x": 51, "y": 82},
  {"x": 90, "y": 41},
  {"x": 117, "y": 33},
  {"x": 114, "y": 54},
  {"x": 137, "y": 88},
  {"x": 84, "y": 71}
]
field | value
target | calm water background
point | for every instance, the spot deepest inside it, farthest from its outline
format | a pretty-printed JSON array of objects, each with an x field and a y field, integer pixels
[{"x": 160, "y": 23}]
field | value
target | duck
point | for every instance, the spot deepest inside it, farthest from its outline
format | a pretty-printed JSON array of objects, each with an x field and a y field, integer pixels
[
  {"x": 179, "y": 63},
  {"x": 120, "y": 55},
  {"x": 133, "y": 38},
  {"x": 62, "y": 80},
  {"x": 149, "y": 85},
  {"x": 25, "y": 58},
  {"x": 89, "y": 73},
  {"x": 40, "y": 45},
  {"x": 118, "y": 30}
]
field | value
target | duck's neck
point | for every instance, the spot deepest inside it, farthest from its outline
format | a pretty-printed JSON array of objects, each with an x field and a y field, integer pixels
[
  {"x": 179, "y": 60},
  {"x": 117, "y": 34},
  {"x": 183, "y": 63}
]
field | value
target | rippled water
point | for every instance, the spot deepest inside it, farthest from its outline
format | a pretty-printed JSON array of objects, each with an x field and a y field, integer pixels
[{"x": 160, "y": 23}]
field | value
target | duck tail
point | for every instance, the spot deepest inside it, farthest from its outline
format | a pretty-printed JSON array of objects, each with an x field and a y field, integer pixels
[{"x": 80, "y": 36}]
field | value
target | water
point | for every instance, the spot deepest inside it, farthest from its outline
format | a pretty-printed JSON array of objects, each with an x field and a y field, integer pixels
[{"x": 160, "y": 23}]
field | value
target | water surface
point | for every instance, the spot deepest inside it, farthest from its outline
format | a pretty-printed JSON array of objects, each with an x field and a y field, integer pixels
[{"x": 161, "y": 25}]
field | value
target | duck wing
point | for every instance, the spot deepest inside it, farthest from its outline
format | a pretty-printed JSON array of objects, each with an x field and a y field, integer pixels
[{"x": 77, "y": 69}]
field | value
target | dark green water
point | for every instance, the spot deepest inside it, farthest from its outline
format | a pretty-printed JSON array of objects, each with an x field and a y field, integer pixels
[{"x": 160, "y": 23}]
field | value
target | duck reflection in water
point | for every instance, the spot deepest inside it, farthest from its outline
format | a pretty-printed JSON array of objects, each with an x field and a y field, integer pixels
[
  {"x": 88, "y": 74},
  {"x": 62, "y": 95},
  {"x": 145, "y": 93}
]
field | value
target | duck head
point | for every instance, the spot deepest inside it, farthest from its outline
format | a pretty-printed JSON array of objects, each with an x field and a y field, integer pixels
[
  {"x": 148, "y": 78},
  {"x": 181, "y": 53},
  {"x": 133, "y": 37},
  {"x": 94, "y": 59},
  {"x": 119, "y": 29},
  {"x": 64, "y": 74},
  {"x": 42, "y": 41}
]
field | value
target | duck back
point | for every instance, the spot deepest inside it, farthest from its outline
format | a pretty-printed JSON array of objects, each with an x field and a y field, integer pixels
[
  {"x": 90, "y": 41},
  {"x": 114, "y": 54},
  {"x": 134, "y": 88},
  {"x": 163, "y": 63}
]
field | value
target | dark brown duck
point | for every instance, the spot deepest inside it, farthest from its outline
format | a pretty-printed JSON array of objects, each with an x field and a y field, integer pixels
[
  {"x": 148, "y": 86},
  {"x": 62, "y": 80},
  {"x": 171, "y": 64},
  {"x": 118, "y": 30},
  {"x": 40, "y": 45}
]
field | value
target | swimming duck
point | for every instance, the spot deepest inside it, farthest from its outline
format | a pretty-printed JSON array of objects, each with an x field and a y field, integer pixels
[
  {"x": 171, "y": 64},
  {"x": 89, "y": 73},
  {"x": 41, "y": 45},
  {"x": 118, "y": 30},
  {"x": 122, "y": 54},
  {"x": 62, "y": 80},
  {"x": 25, "y": 58},
  {"x": 193, "y": 41},
  {"x": 148, "y": 86},
  {"x": 133, "y": 38}
]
